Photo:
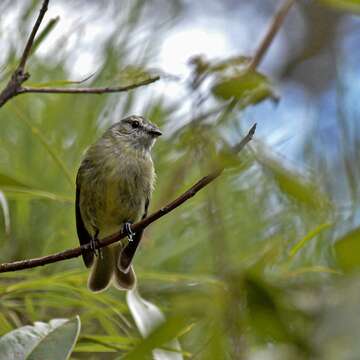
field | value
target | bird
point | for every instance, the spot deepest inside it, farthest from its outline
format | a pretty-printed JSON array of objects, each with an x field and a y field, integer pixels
[{"x": 114, "y": 184}]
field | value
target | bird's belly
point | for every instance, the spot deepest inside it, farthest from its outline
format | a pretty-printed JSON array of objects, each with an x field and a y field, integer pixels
[
  {"x": 123, "y": 202},
  {"x": 115, "y": 195}
]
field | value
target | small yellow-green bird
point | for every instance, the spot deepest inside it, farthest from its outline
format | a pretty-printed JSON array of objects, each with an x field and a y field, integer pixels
[{"x": 113, "y": 190}]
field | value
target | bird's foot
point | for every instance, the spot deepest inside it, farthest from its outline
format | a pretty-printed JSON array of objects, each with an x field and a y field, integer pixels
[
  {"x": 127, "y": 230},
  {"x": 94, "y": 245}
]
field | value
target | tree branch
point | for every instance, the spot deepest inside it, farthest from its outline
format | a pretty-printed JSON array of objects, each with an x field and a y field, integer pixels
[
  {"x": 274, "y": 27},
  {"x": 19, "y": 76},
  {"x": 72, "y": 253},
  {"x": 94, "y": 90},
  {"x": 30, "y": 41}
]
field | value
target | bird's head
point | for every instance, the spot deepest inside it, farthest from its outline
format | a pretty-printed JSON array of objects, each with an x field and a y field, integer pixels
[{"x": 136, "y": 131}]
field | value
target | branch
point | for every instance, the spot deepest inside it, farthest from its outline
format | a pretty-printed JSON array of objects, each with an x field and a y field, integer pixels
[
  {"x": 19, "y": 76},
  {"x": 95, "y": 90},
  {"x": 72, "y": 253},
  {"x": 270, "y": 34},
  {"x": 30, "y": 41}
]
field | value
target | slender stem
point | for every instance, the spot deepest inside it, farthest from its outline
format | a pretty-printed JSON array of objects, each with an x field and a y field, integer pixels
[
  {"x": 19, "y": 76},
  {"x": 95, "y": 90},
  {"x": 274, "y": 27},
  {"x": 30, "y": 41},
  {"x": 72, "y": 253}
]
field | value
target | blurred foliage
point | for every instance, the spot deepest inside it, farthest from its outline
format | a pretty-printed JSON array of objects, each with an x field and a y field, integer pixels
[
  {"x": 349, "y": 5},
  {"x": 247, "y": 269}
]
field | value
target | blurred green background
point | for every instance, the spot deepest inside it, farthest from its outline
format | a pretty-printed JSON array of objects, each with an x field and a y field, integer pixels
[{"x": 262, "y": 263}]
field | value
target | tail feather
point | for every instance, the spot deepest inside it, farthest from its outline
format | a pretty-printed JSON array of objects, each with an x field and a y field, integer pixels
[
  {"x": 122, "y": 280},
  {"x": 102, "y": 270},
  {"x": 105, "y": 269}
]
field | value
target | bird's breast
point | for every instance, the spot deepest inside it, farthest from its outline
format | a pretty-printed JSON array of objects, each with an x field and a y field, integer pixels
[{"x": 126, "y": 184}]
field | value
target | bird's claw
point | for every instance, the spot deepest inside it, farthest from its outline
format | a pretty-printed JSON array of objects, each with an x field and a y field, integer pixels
[
  {"x": 94, "y": 246},
  {"x": 127, "y": 229}
]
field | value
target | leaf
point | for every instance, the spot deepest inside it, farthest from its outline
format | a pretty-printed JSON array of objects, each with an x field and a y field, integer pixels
[
  {"x": 250, "y": 86},
  {"x": 36, "y": 342},
  {"x": 103, "y": 343},
  {"x": 317, "y": 269},
  {"x": 44, "y": 33},
  {"x": 293, "y": 184},
  {"x": 5, "y": 326},
  {"x": 346, "y": 5},
  {"x": 6, "y": 180},
  {"x": 148, "y": 317},
  {"x": 5, "y": 210},
  {"x": 310, "y": 235},
  {"x": 168, "y": 277},
  {"x": 231, "y": 62},
  {"x": 14, "y": 193},
  {"x": 94, "y": 348},
  {"x": 264, "y": 314},
  {"x": 201, "y": 65},
  {"x": 36, "y": 132},
  {"x": 347, "y": 250},
  {"x": 59, "y": 83},
  {"x": 14, "y": 188},
  {"x": 132, "y": 74},
  {"x": 159, "y": 337}
]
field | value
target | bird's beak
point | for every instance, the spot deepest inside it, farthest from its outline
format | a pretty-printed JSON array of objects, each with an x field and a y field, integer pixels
[{"x": 154, "y": 131}]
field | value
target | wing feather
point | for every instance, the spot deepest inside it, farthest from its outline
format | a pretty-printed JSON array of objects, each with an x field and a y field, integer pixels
[{"x": 83, "y": 235}]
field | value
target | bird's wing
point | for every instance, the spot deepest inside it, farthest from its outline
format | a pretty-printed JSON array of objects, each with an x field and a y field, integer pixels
[
  {"x": 83, "y": 235},
  {"x": 129, "y": 251}
]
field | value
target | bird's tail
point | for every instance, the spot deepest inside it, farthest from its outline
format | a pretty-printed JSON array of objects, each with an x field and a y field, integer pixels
[
  {"x": 105, "y": 269},
  {"x": 122, "y": 280}
]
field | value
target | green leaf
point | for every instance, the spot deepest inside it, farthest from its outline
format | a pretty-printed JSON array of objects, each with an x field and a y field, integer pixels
[
  {"x": 292, "y": 184},
  {"x": 6, "y": 181},
  {"x": 4, "y": 205},
  {"x": 60, "y": 83},
  {"x": 132, "y": 74},
  {"x": 44, "y": 33},
  {"x": 347, "y": 250},
  {"x": 94, "y": 348},
  {"x": 250, "y": 86},
  {"x": 160, "y": 336},
  {"x": 264, "y": 313},
  {"x": 157, "y": 332},
  {"x": 232, "y": 62},
  {"x": 37, "y": 133},
  {"x": 317, "y": 269},
  {"x": 59, "y": 342},
  {"x": 58, "y": 338},
  {"x": 103, "y": 343},
  {"x": 5, "y": 325},
  {"x": 310, "y": 235},
  {"x": 15, "y": 193},
  {"x": 14, "y": 188},
  {"x": 347, "y": 5}
]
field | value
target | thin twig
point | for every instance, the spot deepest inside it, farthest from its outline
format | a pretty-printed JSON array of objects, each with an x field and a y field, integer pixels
[
  {"x": 30, "y": 41},
  {"x": 95, "y": 90},
  {"x": 19, "y": 76},
  {"x": 72, "y": 253},
  {"x": 238, "y": 147},
  {"x": 275, "y": 25}
]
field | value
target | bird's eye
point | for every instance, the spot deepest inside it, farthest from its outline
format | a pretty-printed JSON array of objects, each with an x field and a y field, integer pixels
[{"x": 135, "y": 124}]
